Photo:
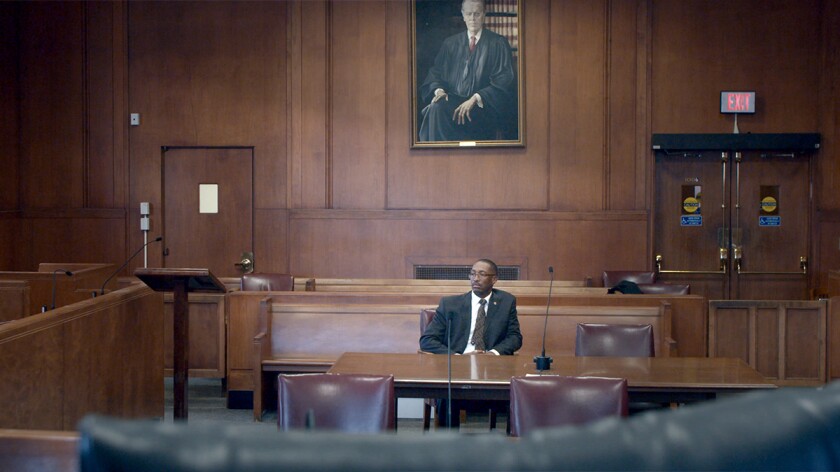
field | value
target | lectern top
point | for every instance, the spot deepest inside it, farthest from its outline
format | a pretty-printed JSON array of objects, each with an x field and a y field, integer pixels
[{"x": 165, "y": 279}]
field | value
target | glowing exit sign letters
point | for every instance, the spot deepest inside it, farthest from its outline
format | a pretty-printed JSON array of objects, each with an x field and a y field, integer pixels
[{"x": 737, "y": 102}]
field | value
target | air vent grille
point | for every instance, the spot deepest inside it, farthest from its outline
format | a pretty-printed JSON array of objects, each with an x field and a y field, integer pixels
[{"x": 459, "y": 272}]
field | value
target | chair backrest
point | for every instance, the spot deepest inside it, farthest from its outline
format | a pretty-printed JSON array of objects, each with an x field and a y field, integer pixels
[
  {"x": 426, "y": 317},
  {"x": 613, "y": 277},
  {"x": 551, "y": 400},
  {"x": 343, "y": 402},
  {"x": 661, "y": 288},
  {"x": 268, "y": 282},
  {"x": 614, "y": 340}
]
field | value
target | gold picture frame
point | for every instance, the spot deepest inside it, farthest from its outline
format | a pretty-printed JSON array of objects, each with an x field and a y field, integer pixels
[{"x": 465, "y": 96}]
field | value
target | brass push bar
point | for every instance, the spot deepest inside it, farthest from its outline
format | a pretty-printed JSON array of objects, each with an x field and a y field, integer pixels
[
  {"x": 803, "y": 268},
  {"x": 723, "y": 258}
]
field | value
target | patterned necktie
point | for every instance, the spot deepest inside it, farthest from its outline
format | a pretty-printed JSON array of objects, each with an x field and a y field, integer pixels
[
  {"x": 478, "y": 334},
  {"x": 472, "y": 43}
]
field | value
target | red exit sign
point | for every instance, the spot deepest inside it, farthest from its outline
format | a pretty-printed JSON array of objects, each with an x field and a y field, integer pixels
[{"x": 737, "y": 102}]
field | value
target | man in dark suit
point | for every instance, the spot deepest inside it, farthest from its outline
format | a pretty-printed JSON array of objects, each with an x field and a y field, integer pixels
[
  {"x": 501, "y": 325},
  {"x": 484, "y": 321}
]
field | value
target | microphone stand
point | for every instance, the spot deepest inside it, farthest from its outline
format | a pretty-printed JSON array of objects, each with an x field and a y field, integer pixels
[
  {"x": 449, "y": 371},
  {"x": 102, "y": 290},
  {"x": 542, "y": 362},
  {"x": 67, "y": 273}
]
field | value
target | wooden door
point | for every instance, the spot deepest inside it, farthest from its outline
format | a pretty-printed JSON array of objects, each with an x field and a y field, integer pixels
[
  {"x": 208, "y": 208},
  {"x": 691, "y": 221},
  {"x": 771, "y": 227},
  {"x": 734, "y": 225}
]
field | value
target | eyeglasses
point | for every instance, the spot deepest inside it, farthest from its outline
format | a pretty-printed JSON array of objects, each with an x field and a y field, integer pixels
[
  {"x": 472, "y": 14},
  {"x": 482, "y": 274}
]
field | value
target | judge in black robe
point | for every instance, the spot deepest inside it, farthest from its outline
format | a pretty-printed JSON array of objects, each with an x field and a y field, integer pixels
[{"x": 485, "y": 76}]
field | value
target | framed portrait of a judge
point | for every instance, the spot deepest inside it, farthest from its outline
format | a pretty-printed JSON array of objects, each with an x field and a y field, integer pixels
[{"x": 466, "y": 73}]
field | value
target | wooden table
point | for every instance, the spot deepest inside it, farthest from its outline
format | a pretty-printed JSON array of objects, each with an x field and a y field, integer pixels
[{"x": 649, "y": 379}]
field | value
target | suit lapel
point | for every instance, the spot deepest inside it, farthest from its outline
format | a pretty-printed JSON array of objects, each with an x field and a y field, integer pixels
[{"x": 466, "y": 320}]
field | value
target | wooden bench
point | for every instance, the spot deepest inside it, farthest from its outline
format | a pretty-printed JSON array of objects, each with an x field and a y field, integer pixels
[
  {"x": 442, "y": 287},
  {"x": 307, "y": 338},
  {"x": 29, "y": 450},
  {"x": 688, "y": 315}
]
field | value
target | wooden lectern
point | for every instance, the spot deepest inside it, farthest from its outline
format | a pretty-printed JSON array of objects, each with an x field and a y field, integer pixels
[{"x": 180, "y": 282}]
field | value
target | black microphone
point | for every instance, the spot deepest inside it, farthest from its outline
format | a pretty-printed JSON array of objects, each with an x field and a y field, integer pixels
[
  {"x": 67, "y": 273},
  {"x": 102, "y": 290},
  {"x": 542, "y": 362},
  {"x": 449, "y": 371}
]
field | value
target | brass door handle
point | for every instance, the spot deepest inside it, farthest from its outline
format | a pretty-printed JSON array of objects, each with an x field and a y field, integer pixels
[{"x": 246, "y": 265}]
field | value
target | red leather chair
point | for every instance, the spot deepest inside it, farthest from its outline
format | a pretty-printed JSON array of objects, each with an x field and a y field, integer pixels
[
  {"x": 551, "y": 400},
  {"x": 613, "y": 277},
  {"x": 268, "y": 282},
  {"x": 343, "y": 402},
  {"x": 614, "y": 340}
]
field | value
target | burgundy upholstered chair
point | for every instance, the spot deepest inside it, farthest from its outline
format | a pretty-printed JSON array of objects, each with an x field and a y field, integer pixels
[
  {"x": 344, "y": 402},
  {"x": 552, "y": 401},
  {"x": 614, "y": 340},
  {"x": 613, "y": 277},
  {"x": 268, "y": 282}
]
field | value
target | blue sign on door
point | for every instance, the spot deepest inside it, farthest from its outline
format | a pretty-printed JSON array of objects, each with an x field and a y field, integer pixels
[
  {"x": 769, "y": 221},
  {"x": 691, "y": 220}
]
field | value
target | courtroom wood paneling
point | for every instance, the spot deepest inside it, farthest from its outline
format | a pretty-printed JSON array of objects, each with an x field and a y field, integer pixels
[
  {"x": 52, "y": 111},
  {"x": 207, "y": 335},
  {"x": 833, "y": 291},
  {"x": 783, "y": 340},
  {"x": 207, "y": 74},
  {"x": 361, "y": 250},
  {"x": 14, "y": 299},
  {"x": 742, "y": 46},
  {"x": 308, "y": 74},
  {"x": 627, "y": 106},
  {"x": 72, "y": 236},
  {"x": 357, "y": 104},
  {"x": 103, "y": 355},
  {"x": 9, "y": 112},
  {"x": 106, "y": 116},
  {"x": 271, "y": 240},
  {"x": 578, "y": 78},
  {"x": 129, "y": 383},
  {"x": 828, "y": 178},
  {"x": 9, "y": 222},
  {"x": 285, "y": 77}
]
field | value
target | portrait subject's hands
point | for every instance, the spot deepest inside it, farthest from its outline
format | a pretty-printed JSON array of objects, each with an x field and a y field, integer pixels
[
  {"x": 462, "y": 113},
  {"x": 440, "y": 93}
]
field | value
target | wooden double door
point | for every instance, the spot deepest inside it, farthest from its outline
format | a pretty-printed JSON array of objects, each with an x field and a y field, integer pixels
[{"x": 735, "y": 225}]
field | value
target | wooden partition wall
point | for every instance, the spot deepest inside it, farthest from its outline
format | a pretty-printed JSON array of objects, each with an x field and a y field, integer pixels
[
  {"x": 103, "y": 355},
  {"x": 36, "y": 288}
]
